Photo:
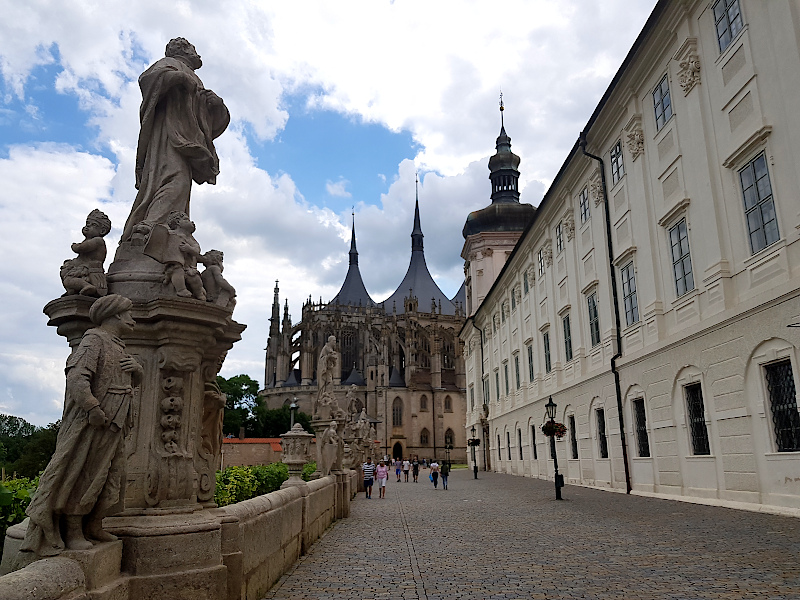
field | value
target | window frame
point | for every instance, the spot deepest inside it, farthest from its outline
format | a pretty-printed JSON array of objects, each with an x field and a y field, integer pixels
[
  {"x": 525, "y": 284},
  {"x": 629, "y": 298},
  {"x": 729, "y": 25},
  {"x": 573, "y": 436},
  {"x": 559, "y": 237},
  {"x": 519, "y": 443},
  {"x": 698, "y": 428},
  {"x": 602, "y": 437},
  {"x": 533, "y": 442},
  {"x": 540, "y": 259},
  {"x": 662, "y": 103},
  {"x": 497, "y": 383},
  {"x": 757, "y": 208},
  {"x": 640, "y": 427},
  {"x": 508, "y": 444},
  {"x": 397, "y": 412},
  {"x": 617, "y": 163},
  {"x": 548, "y": 361},
  {"x": 684, "y": 259},
  {"x": 518, "y": 380},
  {"x": 567, "y": 327},
  {"x": 594, "y": 319},
  {"x": 790, "y": 432},
  {"x": 583, "y": 203},
  {"x": 505, "y": 377},
  {"x": 531, "y": 369}
]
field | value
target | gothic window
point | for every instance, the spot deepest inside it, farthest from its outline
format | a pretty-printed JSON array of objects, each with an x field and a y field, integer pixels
[
  {"x": 448, "y": 353},
  {"x": 424, "y": 437},
  {"x": 783, "y": 404},
  {"x": 728, "y": 21},
  {"x": 567, "y": 338},
  {"x": 448, "y": 404},
  {"x": 519, "y": 442},
  {"x": 546, "y": 342},
  {"x": 697, "y": 419},
  {"x": 349, "y": 348},
  {"x": 594, "y": 318},
  {"x": 423, "y": 403},
  {"x": 533, "y": 442},
  {"x": 583, "y": 200},
  {"x": 573, "y": 437},
  {"x": 601, "y": 432},
  {"x": 662, "y": 103},
  {"x": 629, "y": 294},
  {"x": 640, "y": 422},
  {"x": 759, "y": 207},
  {"x": 397, "y": 413},
  {"x": 617, "y": 167},
  {"x": 449, "y": 438},
  {"x": 681, "y": 260}
]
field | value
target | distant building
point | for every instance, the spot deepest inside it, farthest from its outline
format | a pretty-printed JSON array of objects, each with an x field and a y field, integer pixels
[
  {"x": 650, "y": 294},
  {"x": 403, "y": 356}
]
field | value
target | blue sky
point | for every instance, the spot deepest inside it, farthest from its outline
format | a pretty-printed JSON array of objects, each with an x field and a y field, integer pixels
[{"x": 333, "y": 105}]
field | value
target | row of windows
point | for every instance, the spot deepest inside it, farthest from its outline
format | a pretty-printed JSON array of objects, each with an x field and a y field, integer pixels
[
  {"x": 397, "y": 408},
  {"x": 782, "y": 403}
]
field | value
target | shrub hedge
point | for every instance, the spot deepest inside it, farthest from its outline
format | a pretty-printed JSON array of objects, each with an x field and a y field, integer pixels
[{"x": 235, "y": 484}]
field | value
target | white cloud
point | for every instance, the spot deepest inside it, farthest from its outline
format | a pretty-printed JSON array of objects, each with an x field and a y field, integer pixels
[
  {"x": 338, "y": 188},
  {"x": 434, "y": 69}
]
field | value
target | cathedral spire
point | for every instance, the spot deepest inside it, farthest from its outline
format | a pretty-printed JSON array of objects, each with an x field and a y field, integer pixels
[
  {"x": 275, "y": 320},
  {"x": 353, "y": 250},
  {"x": 416, "y": 233}
]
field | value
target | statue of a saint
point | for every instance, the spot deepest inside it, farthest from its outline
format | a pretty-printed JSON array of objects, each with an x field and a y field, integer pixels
[
  {"x": 179, "y": 121},
  {"x": 82, "y": 482},
  {"x": 326, "y": 406},
  {"x": 331, "y": 443}
]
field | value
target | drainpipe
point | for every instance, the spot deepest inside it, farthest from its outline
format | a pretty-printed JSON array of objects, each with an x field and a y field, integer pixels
[
  {"x": 483, "y": 390},
  {"x": 613, "y": 273}
]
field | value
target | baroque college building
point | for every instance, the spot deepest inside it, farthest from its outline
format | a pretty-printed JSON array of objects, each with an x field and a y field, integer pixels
[
  {"x": 651, "y": 293},
  {"x": 402, "y": 355}
]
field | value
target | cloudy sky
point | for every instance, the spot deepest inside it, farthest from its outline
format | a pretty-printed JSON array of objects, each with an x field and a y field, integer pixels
[{"x": 334, "y": 105}]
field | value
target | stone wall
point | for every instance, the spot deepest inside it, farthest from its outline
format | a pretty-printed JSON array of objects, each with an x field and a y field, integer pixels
[
  {"x": 260, "y": 539},
  {"x": 251, "y": 451}
]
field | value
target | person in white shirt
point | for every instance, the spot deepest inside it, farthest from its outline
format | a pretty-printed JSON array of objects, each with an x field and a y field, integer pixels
[
  {"x": 406, "y": 467},
  {"x": 435, "y": 474}
]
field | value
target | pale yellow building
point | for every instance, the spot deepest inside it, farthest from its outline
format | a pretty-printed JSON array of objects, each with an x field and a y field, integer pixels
[{"x": 652, "y": 292}]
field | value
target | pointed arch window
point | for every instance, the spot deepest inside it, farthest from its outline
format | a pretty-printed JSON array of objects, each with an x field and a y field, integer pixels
[
  {"x": 424, "y": 437},
  {"x": 449, "y": 438},
  {"x": 397, "y": 412}
]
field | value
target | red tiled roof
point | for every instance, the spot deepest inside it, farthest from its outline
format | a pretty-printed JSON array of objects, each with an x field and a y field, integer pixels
[{"x": 275, "y": 443}]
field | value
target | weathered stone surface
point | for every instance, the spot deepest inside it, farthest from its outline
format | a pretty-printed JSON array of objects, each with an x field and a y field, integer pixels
[{"x": 56, "y": 578}]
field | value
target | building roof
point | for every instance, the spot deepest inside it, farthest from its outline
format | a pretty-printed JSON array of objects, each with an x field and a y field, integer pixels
[
  {"x": 353, "y": 291},
  {"x": 460, "y": 299},
  {"x": 418, "y": 281},
  {"x": 275, "y": 443}
]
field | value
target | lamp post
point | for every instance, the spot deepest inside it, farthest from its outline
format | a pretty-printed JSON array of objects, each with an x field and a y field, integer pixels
[
  {"x": 293, "y": 411},
  {"x": 550, "y": 409},
  {"x": 447, "y": 448},
  {"x": 474, "y": 442}
]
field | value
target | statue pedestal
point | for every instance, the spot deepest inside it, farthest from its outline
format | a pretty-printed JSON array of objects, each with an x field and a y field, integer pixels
[{"x": 171, "y": 545}]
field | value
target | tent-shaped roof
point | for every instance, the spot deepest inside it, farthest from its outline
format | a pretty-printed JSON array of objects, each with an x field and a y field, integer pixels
[{"x": 353, "y": 291}]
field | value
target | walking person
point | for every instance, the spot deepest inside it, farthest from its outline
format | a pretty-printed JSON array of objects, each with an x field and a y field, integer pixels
[
  {"x": 406, "y": 468},
  {"x": 369, "y": 474},
  {"x": 398, "y": 464},
  {"x": 382, "y": 473},
  {"x": 435, "y": 474},
  {"x": 415, "y": 469},
  {"x": 445, "y": 471}
]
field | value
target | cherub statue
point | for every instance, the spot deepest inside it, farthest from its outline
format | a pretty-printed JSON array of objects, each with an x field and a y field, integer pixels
[
  {"x": 83, "y": 480},
  {"x": 179, "y": 251},
  {"x": 218, "y": 290},
  {"x": 84, "y": 275}
]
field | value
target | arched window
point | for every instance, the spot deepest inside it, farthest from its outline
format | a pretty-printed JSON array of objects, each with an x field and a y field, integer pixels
[
  {"x": 449, "y": 438},
  {"x": 423, "y": 437},
  {"x": 397, "y": 413},
  {"x": 423, "y": 402},
  {"x": 448, "y": 404},
  {"x": 519, "y": 442},
  {"x": 287, "y": 402}
]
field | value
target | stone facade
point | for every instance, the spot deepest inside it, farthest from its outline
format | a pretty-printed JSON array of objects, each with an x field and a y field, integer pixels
[{"x": 705, "y": 268}]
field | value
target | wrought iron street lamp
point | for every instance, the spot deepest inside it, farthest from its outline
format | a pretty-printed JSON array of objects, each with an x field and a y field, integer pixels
[
  {"x": 473, "y": 441},
  {"x": 550, "y": 411},
  {"x": 293, "y": 411}
]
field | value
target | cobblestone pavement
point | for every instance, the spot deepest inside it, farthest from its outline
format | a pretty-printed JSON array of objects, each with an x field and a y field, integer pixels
[{"x": 505, "y": 537}]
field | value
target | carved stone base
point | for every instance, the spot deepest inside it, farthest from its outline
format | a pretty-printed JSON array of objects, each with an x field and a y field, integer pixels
[
  {"x": 135, "y": 275},
  {"x": 172, "y": 556}
]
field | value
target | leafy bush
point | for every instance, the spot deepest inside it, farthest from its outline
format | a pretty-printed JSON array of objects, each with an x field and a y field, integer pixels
[
  {"x": 15, "y": 495},
  {"x": 236, "y": 484}
]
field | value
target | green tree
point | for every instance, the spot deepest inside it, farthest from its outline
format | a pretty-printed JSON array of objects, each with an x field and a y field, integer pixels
[
  {"x": 242, "y": 401},
  {"x": 275, "y": 421}
]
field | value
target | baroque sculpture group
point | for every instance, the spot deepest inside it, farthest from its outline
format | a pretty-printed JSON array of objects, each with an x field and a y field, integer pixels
[{"x": 151, "y": 404}]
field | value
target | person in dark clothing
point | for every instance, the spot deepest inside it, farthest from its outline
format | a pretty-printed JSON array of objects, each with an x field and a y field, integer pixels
[
  {"x": 445, "y": 472},
  {"x": 415, "y": 469}
]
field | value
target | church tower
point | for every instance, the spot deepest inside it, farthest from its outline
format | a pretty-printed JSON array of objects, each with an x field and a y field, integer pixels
[
  {"x": 491, "y": 233},
  {"x": 273, "y": 341}
]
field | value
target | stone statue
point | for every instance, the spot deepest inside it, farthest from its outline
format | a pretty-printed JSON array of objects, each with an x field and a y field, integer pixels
[
  {"x": 179, "y": 251},
  {"x": 179, "y": 121},
  {"x": 84, "y": 275},
  {"x": 82, "y": 482},
  {"x": 331, "y": 444},
  {"x": 218, "y": 290},
  {"x": 353, "y": 404},
  {"x": 326, "y": 406}
]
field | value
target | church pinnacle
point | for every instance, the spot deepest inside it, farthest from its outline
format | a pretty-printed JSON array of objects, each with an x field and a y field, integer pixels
[
  {"x": 353, "y": 250},
  {"x": 503, "y": 166},
  {"x": 416, "y": 233}
]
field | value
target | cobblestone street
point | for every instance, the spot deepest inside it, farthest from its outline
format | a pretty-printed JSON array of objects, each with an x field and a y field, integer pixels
[{"x": 505, "y": 537}]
